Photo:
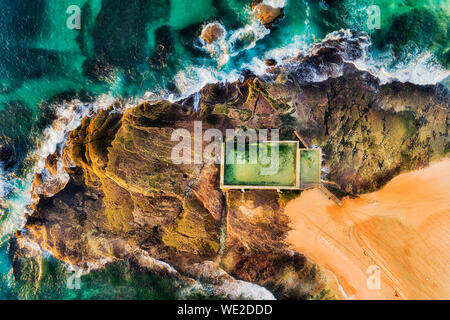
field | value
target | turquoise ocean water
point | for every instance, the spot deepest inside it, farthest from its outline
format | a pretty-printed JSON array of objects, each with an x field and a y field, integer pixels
[{"x": 138, "y": 49}]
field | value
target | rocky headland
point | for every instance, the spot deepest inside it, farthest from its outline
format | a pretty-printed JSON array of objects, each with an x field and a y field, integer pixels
[{"x": 126, "y": 200}]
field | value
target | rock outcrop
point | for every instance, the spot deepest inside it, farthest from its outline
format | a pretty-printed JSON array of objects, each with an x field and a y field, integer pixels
[
  {"x": 266, "y": 14},
  {"x": 212, "y": 32}
]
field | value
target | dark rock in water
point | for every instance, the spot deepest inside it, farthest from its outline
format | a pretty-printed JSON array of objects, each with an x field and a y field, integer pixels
[
  {"x": 51, "y": 163},
  {"x": 328, "y": 58},
  {"x": 212, "y": 32},
  {"x": 271, "y": 62},
  {"x": 266, "y": 14},
  {"x": 7, "y": 156},
  {"x": 98, "y": 69}
]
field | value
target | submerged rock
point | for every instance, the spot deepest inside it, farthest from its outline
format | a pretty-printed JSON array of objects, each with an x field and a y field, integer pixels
[
  {"x": 7, "y": 156},
  {"x": 212, "y": 32}
]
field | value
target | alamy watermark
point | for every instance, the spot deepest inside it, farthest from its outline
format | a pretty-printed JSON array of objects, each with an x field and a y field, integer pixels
[
  {"x": 74, "y": 279},
  {"x": 373, "y": 281},
  {"x": 74, "y": 20},
  {"x": 247, "y": 147},
  {"x": 374, "y": 17}
]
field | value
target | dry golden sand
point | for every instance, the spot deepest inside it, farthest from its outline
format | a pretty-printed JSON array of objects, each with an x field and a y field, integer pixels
[{"x": 404, "y": 228}]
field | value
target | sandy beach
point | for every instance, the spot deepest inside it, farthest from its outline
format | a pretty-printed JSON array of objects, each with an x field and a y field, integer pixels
[{"x": 402, "y": 229}]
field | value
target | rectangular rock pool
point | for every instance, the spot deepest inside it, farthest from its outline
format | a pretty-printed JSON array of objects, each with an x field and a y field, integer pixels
[
  {"x": 310, "y": 167},
  {"x": 240, "y": 170}
]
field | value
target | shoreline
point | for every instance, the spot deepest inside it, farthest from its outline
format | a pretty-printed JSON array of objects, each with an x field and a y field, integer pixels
[{"x": 400, "y": 228}]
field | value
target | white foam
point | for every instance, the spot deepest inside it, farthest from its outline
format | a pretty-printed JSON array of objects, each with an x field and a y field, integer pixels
[
  {"x": 197, "y": 98},
  {"x": 275, "y": 3},
  {"x": 423, "y": 69},
  {"x": 280, "y": 55},
  {"x": 238, "y": 289},
  {"x": 193, "y": 79},
  {"x": 298, "y": 44},
  {"x": 223, "y": 284},
  {"x": 256, "y": 66}
]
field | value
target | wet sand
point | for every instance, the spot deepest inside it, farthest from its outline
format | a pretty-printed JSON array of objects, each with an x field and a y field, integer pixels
[{"x": 404, "y": 229}]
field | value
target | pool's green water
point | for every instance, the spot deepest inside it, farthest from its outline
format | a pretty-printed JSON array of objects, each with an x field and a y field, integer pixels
[
  {"x": 310, "y": 167},
  {"x": 252, "y": 174}
]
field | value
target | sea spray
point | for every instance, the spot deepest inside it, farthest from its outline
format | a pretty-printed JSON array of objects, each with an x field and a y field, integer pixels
[
  {"x": 275, "y": 3},
  {"x": 423, "y": 69}
]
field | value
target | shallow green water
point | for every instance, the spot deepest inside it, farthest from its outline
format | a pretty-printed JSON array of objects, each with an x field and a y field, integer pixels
[{"x": 118, "y": 280}]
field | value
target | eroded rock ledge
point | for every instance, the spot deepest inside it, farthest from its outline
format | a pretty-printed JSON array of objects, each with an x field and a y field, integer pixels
[{"x": 124, "y": 188}]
